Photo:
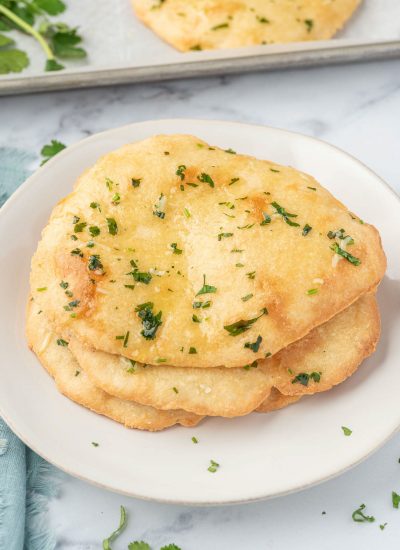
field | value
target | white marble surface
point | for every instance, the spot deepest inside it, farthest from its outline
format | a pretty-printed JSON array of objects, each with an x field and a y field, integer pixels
[{"x": 356, "y": 107}]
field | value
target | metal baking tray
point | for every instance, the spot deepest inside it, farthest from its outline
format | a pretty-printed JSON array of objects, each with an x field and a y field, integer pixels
[{"x": 122, "y": 50}]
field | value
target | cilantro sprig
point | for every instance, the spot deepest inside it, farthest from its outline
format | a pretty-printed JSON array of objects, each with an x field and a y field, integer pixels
[
  {"x": 57, "y": 40},
  {"x": 51, "y": 149}
]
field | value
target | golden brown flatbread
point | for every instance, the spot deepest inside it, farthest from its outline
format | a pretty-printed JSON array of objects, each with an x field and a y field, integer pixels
[
  {"x": 170, "y": 251},
  {"x": 73, "y": 382},
  {"x": 210, "y": 24},
  {"x": 276, "y": 401},
  {"x": 322, "y": 359}
]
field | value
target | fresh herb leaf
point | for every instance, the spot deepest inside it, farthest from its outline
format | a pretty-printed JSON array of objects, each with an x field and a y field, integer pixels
[
  {"x": 77, "y": 252},
  {"x": 213, "y": 467},
  {"x": 180, "y": 172},
  {"x": 150, "y": 322},
  {"x": 243, "y": 325},
  {"x": 170, "y": 547},
  {"x": 192, "y": 351},
  {"x": 195, "y": 440},
  {"x": 266, "y": 220},
  {"x": 306, "y": 229},
  {"x": 224, "y": 236},
  {"x": 347, "y": 432},
  {"x": 359, "y": 516},
  {"x": 79, "y": 227},
  {"x": 395, "y": 499},
  {"x": 12, "y": 61},
  {"x": 255, "y": 346},
  {"x": 201, "y": 305},
  {"x": 285, "y": 215},
  {"x": 206, "y": 178},
  {"x": 112, "y": 226},
  {"x": 95, "y": 264},
  {"x": 303, "y": 378},
  {"x": 62, "y": 343},
  {"x": 175, "y": 248},
  {"x": 50, "y": 150},
  {"x": 139, "y": 545},
  {"x": 94, "y": 230},
  {"x": 63, "y": 40},
  {"x": 206, "y": 289},
  {"x": 122, "y": 524},
  {"x": 312, "y": 291}
]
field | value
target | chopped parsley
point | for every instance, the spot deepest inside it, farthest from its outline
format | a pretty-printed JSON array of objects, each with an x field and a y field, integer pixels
[
  {"x": 109, "y": 183},
  {"x": 251, "y": 275},
  {"x": 175, "y": 248},
  {"x": 180, "y": 172},
  {"x": 233, "y": 180},
  {"x": 192, "y": 351},
  {"x": 95, "y": 264},
  {"x": 262, "y": 19},
  {"x": 150, "y": 321},
  {"x": 309, "y": 23},
  {"x": 206, "y": 289},
  {"x": 175, "y": 389},
  {"x": 285, "y": 215},
  {"x": 112, "y": 226},
  {"x": 42, "y": 289},
  {"x": 64, "y": 284},
  {"x": 255, "y": 346},
  {"x": 312, "y": 188},
  {"x": 195, "y": 440},
  {"x": 220, "y": 26},
  {"x": 395, "y": 500},
  {"x": 77, "y": 252},
  {"x": 247, "y": 297},
  {"x": 187, "y": 213},
  {"x": 206, "y": 178},
  {"x": 79, "y": 227},
  {"x": 62, "y": 343},
  {"x": 195, "y": 319},
  {"x": 243, "y": 325},
  {"x": 213, "y": 467},
  {"x": 202, "y": 305},
  {"x": 94, "y": 230},
  {"x": 224, "y": 236},
  {"x": 116, "y": 199},
  {"x": 312, "y": 291},
  {"x": 139, "y": 276},
  {"x": 95, "y": 444},
  {"x": 136, "y": 182},
  {"x": 160, "y": 207},
  {"x": 252, "y": 365},
  {"x": 359, "y": 516},
  {"x": 303, "y": 378},
  {"x": 266, "y": 220},
  {"x": 95, "y": 205},
  {"x": 347, "y": 432},
  {"x": 349, "y": 257},
  {"x": 306, "y": 229},
  {"x": 50, "y": 150},
  {"x": 230, "y": 151}
]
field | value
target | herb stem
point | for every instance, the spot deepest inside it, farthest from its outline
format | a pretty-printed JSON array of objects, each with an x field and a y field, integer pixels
[{"x": 29, "y": 29}]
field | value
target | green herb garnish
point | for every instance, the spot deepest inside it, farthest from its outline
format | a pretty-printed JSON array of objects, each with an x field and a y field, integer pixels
[
  {"x": 247, "y": 297},
  {"x": 312, "y": 291},
  {"x": 243, "y": 325},
  {"x": 303, "y": 378},
  {"x": 112, "y": 226},
  {"x": 95, "y": 264},
  {"x": 206, "y": 178},
  {"x": 94, "y": 230},
  {"x": 122, "y": 524},
  {"x": 180, "y": 172},
  {"x": 309, "y": 23},
  {"x": 349, "y": 257},
  {"x": 150, "y": 321},
  {"x": 395, "y": 499},
  {"x": 192, "y": 351},
  {"x": 266, "y": 220},
  {"x": 202, "y": 305},
  {"x": 175, "y": 248},
  {"x": 62, "y": 343},
  {"x": 224, "y": 236},
  {"x": 255, "y": 346},
  {"x": 206, "y": 289},
  {"x": 306, "y": 229},
  {"x": 285, "y": 215},
  {"x": 195, "y": 440},
  {"x": 50, "y": 150},
  {"x": 347, "y": 431},
  {"x": 136, "y": 182},
  {"x": 213, "y": 467},
  {"x": 79, "y": 227},
  {"x": 359, "y": 516}
]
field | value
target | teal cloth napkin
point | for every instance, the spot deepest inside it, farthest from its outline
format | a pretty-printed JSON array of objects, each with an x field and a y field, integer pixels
[{"x": 26, "y": 480}]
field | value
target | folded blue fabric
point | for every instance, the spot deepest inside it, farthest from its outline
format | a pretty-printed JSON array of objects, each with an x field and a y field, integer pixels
[{"x": 26, "y": 480}]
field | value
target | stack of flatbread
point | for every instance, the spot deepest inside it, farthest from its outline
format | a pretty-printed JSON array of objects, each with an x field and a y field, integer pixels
[
  {"x": 180, "y": 280},
  {"x": 212, "y": 24}
]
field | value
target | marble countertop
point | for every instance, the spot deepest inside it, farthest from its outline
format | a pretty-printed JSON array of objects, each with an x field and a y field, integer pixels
[{"x": 356, "y": 107}]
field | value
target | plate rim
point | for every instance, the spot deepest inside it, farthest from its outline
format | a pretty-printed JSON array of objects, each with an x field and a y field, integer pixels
[{"x": 211, "y": 122}]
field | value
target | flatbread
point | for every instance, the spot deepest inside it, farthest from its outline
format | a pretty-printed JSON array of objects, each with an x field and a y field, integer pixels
[
  {"x": 211, "y": 24},
  {"x": 73, "y": 382},
  {"x": 237, "y": 238},
  {"x": 333, "y": 351},
  {"x": 276, "y": 401}
]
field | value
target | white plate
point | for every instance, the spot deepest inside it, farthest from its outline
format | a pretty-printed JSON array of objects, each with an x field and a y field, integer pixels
[{"x": 260, "y": 455}]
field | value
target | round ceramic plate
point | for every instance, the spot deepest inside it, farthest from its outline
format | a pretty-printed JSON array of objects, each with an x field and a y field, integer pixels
[{"x": 260, "y": 456}]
